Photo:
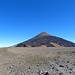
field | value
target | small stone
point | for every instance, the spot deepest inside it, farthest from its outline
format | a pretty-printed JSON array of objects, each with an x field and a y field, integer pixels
[
  {"x": 61, "y": 73},
  {"x": 22, "y": 74},
  {"x": 37, "y": 64},
  {"x": 57, "y": 70},
  {"x": 61, "y": 66},
  {"x": 29, "y": 68},
  {"x": 67, "y": 61},
  {"x": 46, "y": 73}
]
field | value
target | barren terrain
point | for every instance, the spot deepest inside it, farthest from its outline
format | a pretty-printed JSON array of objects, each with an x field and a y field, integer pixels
[{"x": 37, "y": 61}]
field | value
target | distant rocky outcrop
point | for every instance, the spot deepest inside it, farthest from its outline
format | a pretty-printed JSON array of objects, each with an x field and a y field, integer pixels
[{"x": 45, "y": 40}]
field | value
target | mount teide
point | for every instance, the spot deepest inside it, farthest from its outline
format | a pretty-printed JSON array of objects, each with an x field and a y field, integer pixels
[{"x": 46, "y": 40}]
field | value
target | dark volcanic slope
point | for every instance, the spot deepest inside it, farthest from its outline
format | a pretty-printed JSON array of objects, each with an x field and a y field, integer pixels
[{"x": 44, "y": 39}]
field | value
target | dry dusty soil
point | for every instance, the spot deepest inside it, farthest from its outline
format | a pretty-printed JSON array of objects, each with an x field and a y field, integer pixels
[{"x": 37, "y": 61}]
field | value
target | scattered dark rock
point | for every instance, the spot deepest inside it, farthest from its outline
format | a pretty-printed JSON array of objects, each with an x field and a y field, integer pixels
[
  {"x": 46, "y": 73},
  {"x": 53, "y": 68},
  {"x": 37, "y": 64},
  {"x": 61, "y": 66},
  {"x": 61, "y": 73},
  {"x": 29, "y": 68},
  {"x": 67, "y": 61},
  {"x": 57, "y": 70}
]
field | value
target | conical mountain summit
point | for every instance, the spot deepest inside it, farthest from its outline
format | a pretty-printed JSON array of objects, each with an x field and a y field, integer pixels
[
  {"x": 46, "y": 40},
  {"x": 43, "y": 34}
]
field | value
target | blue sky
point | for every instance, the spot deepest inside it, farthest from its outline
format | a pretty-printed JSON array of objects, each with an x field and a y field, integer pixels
[{"x": 23, "y": 19}]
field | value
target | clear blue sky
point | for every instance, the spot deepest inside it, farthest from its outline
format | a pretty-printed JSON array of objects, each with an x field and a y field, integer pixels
[{"x": 23, "y": 19}]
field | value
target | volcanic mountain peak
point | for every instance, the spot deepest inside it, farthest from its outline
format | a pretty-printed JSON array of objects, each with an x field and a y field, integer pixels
[
  {"x": 42, "y": 34},
  {"x": 44, "y": 39}
]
